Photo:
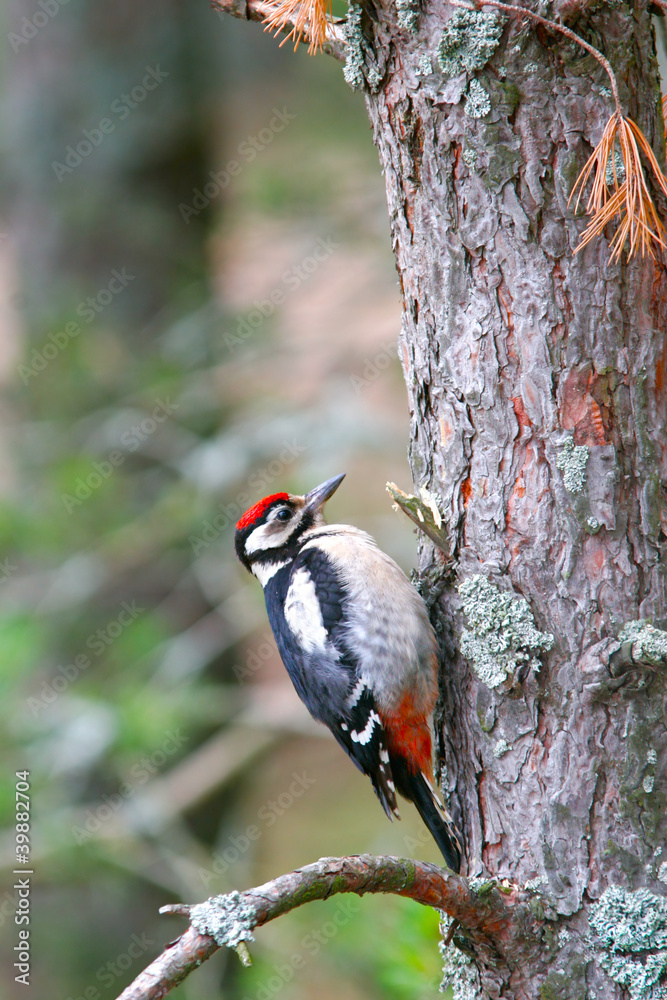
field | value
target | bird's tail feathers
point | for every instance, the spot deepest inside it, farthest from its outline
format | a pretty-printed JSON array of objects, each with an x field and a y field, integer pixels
[
  {"x": 385, "y": 789},
  {"x": 419, "y": 789}
]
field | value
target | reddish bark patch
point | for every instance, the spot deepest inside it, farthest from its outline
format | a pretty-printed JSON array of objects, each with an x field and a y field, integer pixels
[
  {"x": 406, "y": 357},
  {"x": 410, "y": 215},
  {"x": 446, "y": 432},
  {"x": 505, "y": 304},
  {"x": 466, "y": 491},
  {"x": 520, "y": 412},
  {"x": 583, "y": 392}
]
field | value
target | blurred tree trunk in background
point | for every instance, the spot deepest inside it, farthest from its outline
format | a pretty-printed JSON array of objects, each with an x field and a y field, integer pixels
[
  {"x": 536, "y": 380},
  {"x": 70, "y": 186}
]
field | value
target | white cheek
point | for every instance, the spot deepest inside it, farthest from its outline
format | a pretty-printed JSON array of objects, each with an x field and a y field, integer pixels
[{"x": 263, "y": 538}]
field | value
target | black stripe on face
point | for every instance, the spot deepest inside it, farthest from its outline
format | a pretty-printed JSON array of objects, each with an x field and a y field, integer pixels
[{"x": 286, "y": 549}]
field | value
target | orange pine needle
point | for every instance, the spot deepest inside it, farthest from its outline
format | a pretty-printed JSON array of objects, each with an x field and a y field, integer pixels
[
  {"x": 620, "y": 190},
  {"x": 305, "y": 16}
]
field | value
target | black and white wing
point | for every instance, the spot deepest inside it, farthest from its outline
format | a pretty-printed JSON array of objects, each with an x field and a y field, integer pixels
[{"x": 306, "y": 607}]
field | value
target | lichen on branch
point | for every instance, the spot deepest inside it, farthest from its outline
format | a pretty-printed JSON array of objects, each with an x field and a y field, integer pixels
[
  {"x": 488, "y": 915},
  {"x": 228, "y": 919}
]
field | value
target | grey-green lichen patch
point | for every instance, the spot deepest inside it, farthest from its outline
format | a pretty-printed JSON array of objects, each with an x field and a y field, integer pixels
[
  {"x": 407, "y": 11},
  {"x": 501, "y": 748},
  {"x": 502, "y": 633},
  {"x": 469, "y": 157},
  {"x": 353, "y": 72},
  {"x": 649, "y": 778},
  {"x": 228, "y": 919},
  {"x": 373, "y": 79},
  {"x": 631, "y": 928},
  {"x": 425, "y": 67},
  {"x": 478, "y": 102},
  {"x": 458, "y": 971},
  {"x": 662, "y": 872},
  {"x": 469, "y": 40},
  {"x": 649, "y": 644},
  {"x": 533, "y": 884},
  {"x": 572, "y": 463}
]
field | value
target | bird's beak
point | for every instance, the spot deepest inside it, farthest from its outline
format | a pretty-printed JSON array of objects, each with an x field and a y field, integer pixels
[{"x": 316, "y": 499}]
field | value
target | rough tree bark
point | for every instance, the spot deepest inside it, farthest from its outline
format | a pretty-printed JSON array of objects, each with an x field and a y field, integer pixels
[
  {"x": 536, "y": 379},
  {"x": 512, "y": 345}
]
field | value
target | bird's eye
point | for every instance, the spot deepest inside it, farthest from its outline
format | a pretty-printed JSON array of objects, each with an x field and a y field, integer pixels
[{"x": 283, "y": 514}]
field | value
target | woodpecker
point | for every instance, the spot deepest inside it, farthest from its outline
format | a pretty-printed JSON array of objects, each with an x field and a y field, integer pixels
[{"x": 357, "y": 643}]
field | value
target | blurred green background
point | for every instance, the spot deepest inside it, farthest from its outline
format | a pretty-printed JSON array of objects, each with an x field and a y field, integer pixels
[{"x": 199, "y": 307}]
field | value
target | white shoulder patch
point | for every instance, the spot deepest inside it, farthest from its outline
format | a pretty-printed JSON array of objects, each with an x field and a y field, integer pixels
[{"x": 303, "y": 614}]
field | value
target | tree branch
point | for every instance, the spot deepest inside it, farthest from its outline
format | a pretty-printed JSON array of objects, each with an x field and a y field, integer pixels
[
  {"x": 259, "y": 10},
  {"x": 491, "y": 913}
]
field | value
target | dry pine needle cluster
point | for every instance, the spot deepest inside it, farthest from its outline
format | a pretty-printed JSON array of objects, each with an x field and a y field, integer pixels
[
  {"x": 619, "y": 191},
  {"x": 302, "y": 17}
]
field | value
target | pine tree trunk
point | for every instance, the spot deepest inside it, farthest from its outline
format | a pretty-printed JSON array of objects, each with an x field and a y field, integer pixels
[{"x": 516, "y": 353}]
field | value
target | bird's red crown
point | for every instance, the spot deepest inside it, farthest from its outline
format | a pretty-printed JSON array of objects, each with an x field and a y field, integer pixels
[{"x": 254, "y": 513}]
